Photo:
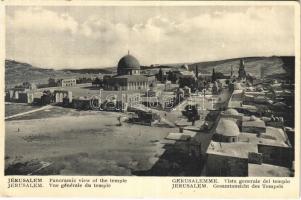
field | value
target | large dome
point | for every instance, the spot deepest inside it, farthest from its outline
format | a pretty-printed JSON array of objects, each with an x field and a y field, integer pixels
[{"x": 128, "y": 62}]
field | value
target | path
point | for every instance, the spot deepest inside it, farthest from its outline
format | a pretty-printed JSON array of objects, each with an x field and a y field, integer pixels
[{"x": 28, "y": 112}]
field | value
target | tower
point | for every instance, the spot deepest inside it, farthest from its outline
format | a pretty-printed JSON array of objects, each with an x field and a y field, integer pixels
[
  {"x": 261, "y": 72},
  {"x": 197, "y": 71}
]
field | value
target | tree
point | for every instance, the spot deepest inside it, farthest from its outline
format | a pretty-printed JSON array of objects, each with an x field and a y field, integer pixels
[
  {"x": 160, "y": 75},
  {"x": 52, "y": 82},
  {"x": 213, "y": 76}
]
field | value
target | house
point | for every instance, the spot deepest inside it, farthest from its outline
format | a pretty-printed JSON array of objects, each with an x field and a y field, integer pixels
[{"x": 70, "y": 82}]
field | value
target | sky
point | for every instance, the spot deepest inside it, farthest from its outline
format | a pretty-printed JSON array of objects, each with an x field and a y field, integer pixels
[{"x": 98, "y": 36}]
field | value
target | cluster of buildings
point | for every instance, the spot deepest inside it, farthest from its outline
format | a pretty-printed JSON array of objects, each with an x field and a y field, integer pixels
[
  {"x": 248, "y": 146},
  {"x": 129, "y": 87},
  {"x": 250, "y": 137},
  {"x": 251, "y": 133}
]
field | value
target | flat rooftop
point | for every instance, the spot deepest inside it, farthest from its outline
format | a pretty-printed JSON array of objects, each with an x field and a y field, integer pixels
[
  {"x": 237, "y": 104},
  {"x": 235, "y": 149},
  {"x": 254, "y": 123},
  {"x": 185, "y": 136}
]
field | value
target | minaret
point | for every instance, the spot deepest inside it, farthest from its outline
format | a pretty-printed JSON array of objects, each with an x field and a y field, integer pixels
[
  {"x": 196, "y": 71},
  {"x": 231, "y": 72},
  {"x": 261, "y": 72}
]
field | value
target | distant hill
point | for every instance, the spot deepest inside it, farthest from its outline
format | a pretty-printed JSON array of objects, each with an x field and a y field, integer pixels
[
  {"x": 18, "y": 72},
  {"x": 271, "y": 65},
  {"x": 107, "y": 70}
]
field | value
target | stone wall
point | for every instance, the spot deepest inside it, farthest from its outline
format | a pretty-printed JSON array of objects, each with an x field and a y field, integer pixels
[{"x": 220, "y": 165}]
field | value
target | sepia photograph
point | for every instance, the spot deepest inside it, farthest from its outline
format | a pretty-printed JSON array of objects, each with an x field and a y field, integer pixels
[{"x": 150, "y": 90}]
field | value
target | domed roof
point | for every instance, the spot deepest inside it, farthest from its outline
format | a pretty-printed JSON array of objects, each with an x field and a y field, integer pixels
[
  {"x": 180, "y": 90},
  {"x": 253, "y": 118},
  {"x": 231, "y": 111},
  {"x": 227, "y": 127},
  {"x": 128, "y": 62},
  {"x": 185, "y": 67}
]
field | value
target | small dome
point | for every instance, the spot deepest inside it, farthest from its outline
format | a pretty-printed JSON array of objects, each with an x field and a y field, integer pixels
[
  {"x": 231, "y": 111},
  {"x": 128, "y": 62},
  {"x": 185, "y": 66},
  {"x": 227, "y": 127},
  {"x": 280, "y": 104},
  {"x": 253, "y": 118}
]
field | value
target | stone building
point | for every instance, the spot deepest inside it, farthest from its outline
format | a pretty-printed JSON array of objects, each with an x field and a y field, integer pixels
[
  {"x": 60, "y": 95},
  {"x": 19, "y": 95},
  {"x": 61, "y": 82},
  {"x": 71, "y": 82}
]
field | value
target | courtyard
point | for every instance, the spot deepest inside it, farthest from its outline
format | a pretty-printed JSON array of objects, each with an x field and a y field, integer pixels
[{"x": 64, "y": 141}]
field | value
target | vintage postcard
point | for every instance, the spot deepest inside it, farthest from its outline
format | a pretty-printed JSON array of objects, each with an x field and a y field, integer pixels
[{"x": 150, "y": 99}]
